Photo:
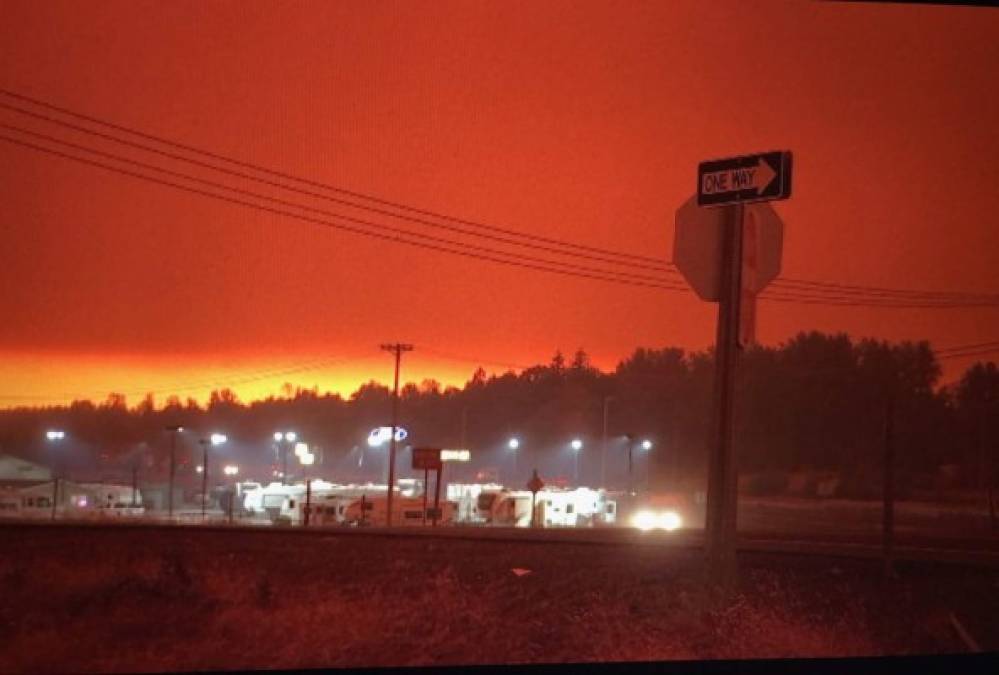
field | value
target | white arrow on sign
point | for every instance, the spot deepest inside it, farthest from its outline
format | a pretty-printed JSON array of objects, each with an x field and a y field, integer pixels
[{"x": 757, "y": 177}]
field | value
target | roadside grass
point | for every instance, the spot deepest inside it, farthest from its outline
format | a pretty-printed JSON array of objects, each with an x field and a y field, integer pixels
[{"x": 164, "y": 601}]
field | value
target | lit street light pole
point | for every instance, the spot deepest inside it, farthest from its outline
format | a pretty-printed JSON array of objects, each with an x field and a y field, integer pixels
[
  {"x": 231, "y": 470},
  {"x": 174, "y": 430},
  {"x": 576, "y": 445},
  {"x": 631, "y": 447},
  {"x": 397, "y": 349},
  {"x": 514, "y": 445},
  {"x": 283, "y": 440},
  {"x": 214, "y": 439},
  {"x": 54, "y": 436},
  {"x": 647, "y": 445},
  {"x": 603, "y": 447}
]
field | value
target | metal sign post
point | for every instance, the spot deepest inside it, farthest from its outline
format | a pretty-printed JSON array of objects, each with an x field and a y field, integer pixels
[
  {"x": 721, "y": 506},
  {"x": 534, "y": 485},
  {"x": 429, "y": 459},
  {"x": 437, "y": 497},
  {"x": 308, "y": 499},
  {"x": 729, "y": 260}
]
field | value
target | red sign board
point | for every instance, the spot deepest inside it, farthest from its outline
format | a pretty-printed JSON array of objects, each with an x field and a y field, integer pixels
[
  {"x": 535, "y": 484},
  {"x": 428, "y": 459}
]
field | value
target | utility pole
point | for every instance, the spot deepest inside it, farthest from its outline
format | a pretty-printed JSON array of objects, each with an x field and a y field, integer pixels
[
  {"x": 464, "y": 427},
  {"x": 722, "y": 477},
  {"x": 397, "y": 349},
  {"x": 888, "y": 490},
  {"x": 603, "y": 447},
  {"x": 631, "y": 448},
  {"x": 204, "y": 475},
  {"x": 174, "y": 430}
]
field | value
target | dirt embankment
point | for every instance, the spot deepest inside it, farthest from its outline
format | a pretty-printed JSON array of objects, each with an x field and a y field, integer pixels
[{"x": 122, "y": 600}]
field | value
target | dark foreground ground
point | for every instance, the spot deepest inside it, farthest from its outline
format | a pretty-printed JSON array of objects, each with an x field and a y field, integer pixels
[{"x": 122, "y": 599}]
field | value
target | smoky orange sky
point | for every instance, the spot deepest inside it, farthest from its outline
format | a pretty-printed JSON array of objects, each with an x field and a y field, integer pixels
[{"x": 579, "y": 121}]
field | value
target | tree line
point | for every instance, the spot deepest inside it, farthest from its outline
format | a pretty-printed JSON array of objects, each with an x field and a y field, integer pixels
[{"x": 816, "y": 403}]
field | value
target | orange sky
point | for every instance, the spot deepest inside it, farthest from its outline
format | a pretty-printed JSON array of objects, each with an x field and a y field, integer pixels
[{"x": 577, "y": 121}]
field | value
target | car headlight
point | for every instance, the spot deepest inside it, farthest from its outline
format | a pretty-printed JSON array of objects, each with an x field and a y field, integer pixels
[
  {"x": 669, "y": 521},
  {"x": 644, "y": 520},
  {"x": 650, "y": 520}
]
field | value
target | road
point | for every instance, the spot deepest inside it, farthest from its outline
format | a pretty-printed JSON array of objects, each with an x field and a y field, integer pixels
[{"x": 974, "y": 550}]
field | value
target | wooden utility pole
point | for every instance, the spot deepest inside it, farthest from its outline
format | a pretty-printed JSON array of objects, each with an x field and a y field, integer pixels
[
  {"x": 888, "y": 488},
  {"x": 397, "y": 349}
]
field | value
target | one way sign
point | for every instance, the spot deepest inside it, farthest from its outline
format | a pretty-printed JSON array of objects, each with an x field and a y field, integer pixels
[{"x": 751, "y": 178}]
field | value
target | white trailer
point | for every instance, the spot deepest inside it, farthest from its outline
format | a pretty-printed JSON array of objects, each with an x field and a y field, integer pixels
[
  {"x": 581, "y": 507},
  {"x": 405, "y": 511},
  {"x": 507, "y": 508},
  {"x": 466, "y": 496}
]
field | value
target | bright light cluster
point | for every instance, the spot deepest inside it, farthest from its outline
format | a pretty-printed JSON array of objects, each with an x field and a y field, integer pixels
[
  {"x": 230, "y": 470},
  {"x": 305, "y": 457},
  {"x": 218, "y": 439},
  {"x": 649, "y": 520},
  {"x": 55, "y": 435},
  {"x": 380, "y": 435}
]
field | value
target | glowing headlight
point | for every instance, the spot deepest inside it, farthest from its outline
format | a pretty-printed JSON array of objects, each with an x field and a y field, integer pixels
[
  {"x": 669, "y": 521},
  {"x": 644, "y": 520},
  {"x": 648, "y": 520}
]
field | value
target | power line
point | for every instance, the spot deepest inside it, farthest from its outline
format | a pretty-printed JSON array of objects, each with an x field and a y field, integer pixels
[
  {"x": 603, "y": 255},
  {"x": 398, "y": 234},
  {"x": 399, "y": 237},
  {"x": 467, "y": 359},
  {"x": 660, "y": 267},
  {"x": 975, "y": 354},
  {"x": 968, "y": 351},
  {"x": 326, "y": 186},
  {"x": 791, "y": 283}
]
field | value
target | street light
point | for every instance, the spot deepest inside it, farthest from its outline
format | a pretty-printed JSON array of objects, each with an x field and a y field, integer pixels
[
  {"x": 603, "y": 444},
  {"x": 513, "y": 444},
  {"x": 283, "y": 438},
  {"x": 174, "y": 430},
  {"x": 647, "y": 445},
  {"x": 214, "y": 439},
  {"x": 306, "y": 458},
  {"x": 55, "y": 435},
  {"x": 576, "y": 446}
]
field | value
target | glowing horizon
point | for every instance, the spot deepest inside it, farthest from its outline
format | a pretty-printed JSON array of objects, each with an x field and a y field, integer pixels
[{"x": 52, "y": 380}]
